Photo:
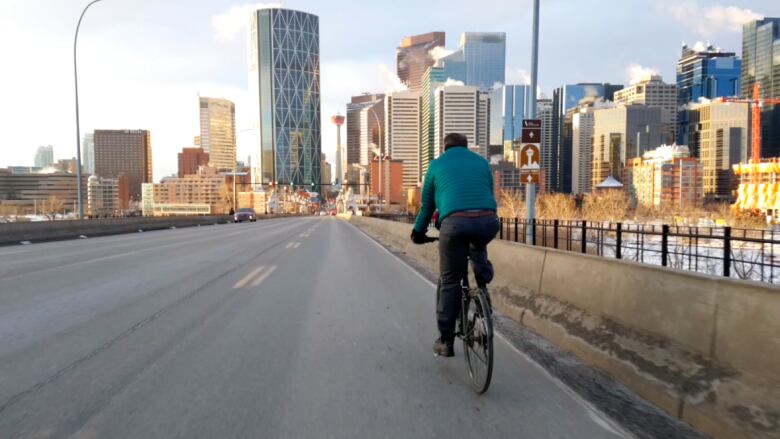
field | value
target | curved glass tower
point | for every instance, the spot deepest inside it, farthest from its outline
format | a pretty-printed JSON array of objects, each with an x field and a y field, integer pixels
[{"x": 284, "y": 80}]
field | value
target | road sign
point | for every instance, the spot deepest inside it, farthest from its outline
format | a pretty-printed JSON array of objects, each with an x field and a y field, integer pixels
[
  {"x": 530, "y": 158},
  {"x": 532, "y": 131}
]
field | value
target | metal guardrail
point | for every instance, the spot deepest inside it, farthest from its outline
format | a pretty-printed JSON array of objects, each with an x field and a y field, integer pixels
[{"x": 751, "y": 254}]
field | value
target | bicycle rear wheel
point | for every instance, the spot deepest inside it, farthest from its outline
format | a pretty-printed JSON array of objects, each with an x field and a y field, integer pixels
[{"x": 478, "y": 339}]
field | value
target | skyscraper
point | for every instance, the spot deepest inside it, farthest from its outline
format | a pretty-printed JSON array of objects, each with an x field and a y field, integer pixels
[
  {"x": 88, "y": 153},
  {"x": 432, "y": 79},
  {"x": 284, "y": 80},
  {"x": 479, "y": 61},
  {"x": 654, "y": 92},
  {"x": 544, "y": 112},
  {"x": 124, "y": 152},
  {"x": 355, "y": 128},
  {"x": 565, "y": 99},
  {"x": 44, "y": 156},
  {"x": 705, "y": 72},
  {"x": 465, "y": 110},
  {"x": 508, "y": 108},
  {"x": 402, "y": 133},
  {"x": 622, "y": 133},
  {"x": 413, "y": 57},
  {"x": 761, "y": 63},
  {"x": 218, "y": 132},
  {"x": 582, "y": 148},
  {"x": 719, "y": 134}
]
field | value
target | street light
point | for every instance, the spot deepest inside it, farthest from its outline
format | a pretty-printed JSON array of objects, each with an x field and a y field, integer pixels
[
  {"x": 78, "y": 128},
  {"x": 381, "y": 134}
]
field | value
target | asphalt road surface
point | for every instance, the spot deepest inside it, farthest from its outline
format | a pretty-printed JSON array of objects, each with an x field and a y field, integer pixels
[{"x": 296, "y": 328}]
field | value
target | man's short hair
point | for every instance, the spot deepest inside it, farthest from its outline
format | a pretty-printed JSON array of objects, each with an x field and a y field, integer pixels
[{"x": 455, "y": 139}]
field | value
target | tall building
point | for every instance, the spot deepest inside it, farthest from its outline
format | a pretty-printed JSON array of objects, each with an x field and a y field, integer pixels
[
  {"x": 705, "y": 72},
  {"x": 191, "y": 159},
  {"x": 622, "y": 133},
  {"x": 432, "y": 79},
  {"x": 761, "y": 63},
  {"x": 544, "y": 112},
  {"x": 26, "y": 191},
  {"x": 565, "y": 100},
  {"x": 325, "y": 172},
  {"x": 665, "y": 176},
  {"x": 340, "y": 159},
  {"x": 284, "y": 81},
  {"x": 88, "y": 153},
  {"x": 465, "y": 110},
  {"x": 479, "y": 61},
  {"x": 719, "y": 137},
  {"x": 654, "y": 92},
  {"x": 391, "y": 175},
  {"x": 44, "y": 156},
  {"x": 372, "y": 130},
  {"x": 124, "y": 152},
  {"x": 218, "y": 132},
  {"x": 199, "y": 193},
  {"x": 403, "y": 133},
  {"x": 358, "y": 125},
  {"x": 582, "y": 145},
  {"x": 413, "y": 57},
  {"x": 508, "y": 108}
]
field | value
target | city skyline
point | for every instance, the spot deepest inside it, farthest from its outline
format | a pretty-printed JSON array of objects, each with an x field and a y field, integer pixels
[{"x": 121, "y": 72}]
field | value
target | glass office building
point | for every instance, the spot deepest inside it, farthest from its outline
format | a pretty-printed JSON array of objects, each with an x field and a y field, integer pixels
[
  {"x": 761, "y": 63},
  {"x": 284, "y": 80},
  {"x": 709, "y": 73},
  {"x": 565, "y": 100},
  {"x": 479, "y": 61},
  {"x": 509, "y": 105}
]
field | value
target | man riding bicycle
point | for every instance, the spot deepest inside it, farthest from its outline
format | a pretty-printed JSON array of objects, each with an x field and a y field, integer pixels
[{"x": 460, "y": 185}]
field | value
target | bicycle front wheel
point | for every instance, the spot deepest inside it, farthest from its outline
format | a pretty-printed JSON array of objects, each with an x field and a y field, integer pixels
[{"x": 478, "y": 339}]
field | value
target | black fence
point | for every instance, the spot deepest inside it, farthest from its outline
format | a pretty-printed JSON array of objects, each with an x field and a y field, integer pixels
[{"x": 751, "y": 254}]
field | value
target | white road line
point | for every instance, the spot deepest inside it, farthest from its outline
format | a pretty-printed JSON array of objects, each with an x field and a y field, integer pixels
[
  {"x": 606, "y": 422},
  {"x": 289, "y": 244},
  {"x": 264, "y": 276},
  {"x": 297, "y": 244},
  {"x": 245, "y": 280}
]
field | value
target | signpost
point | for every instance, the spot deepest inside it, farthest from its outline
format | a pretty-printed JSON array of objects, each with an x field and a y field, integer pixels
[{"x": 530, "y": 156}]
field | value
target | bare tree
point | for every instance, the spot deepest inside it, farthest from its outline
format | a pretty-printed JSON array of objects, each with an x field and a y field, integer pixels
[
  {"x": 556, "y": 206},
  {"x": 610, "y": 205},
  {"x": 51, "y": 207},
  {"x": 511, "y": 204},
  {"x": 226, "y": 195}
]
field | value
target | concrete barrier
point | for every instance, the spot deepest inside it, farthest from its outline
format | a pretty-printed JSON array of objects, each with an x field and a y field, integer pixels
[
  {"x": 13, "y": 233},
  {"x": 705, "y": 349}
]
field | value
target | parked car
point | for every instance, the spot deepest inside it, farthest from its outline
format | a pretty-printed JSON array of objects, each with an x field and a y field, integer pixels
[{"x": 245, "y": 214}]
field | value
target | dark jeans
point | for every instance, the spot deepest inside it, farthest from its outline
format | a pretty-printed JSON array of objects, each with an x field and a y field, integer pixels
[{"x": 461, "y": 239}]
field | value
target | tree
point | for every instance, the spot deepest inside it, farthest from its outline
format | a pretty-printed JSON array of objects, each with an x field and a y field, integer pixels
[
  {"x": 510, "y": 204},
  {"x": 608, "y": 205},
  {"x": 51, "y": 207},
  {"x": 226, "y": 195},
  {"x": 556, "y": 206}
]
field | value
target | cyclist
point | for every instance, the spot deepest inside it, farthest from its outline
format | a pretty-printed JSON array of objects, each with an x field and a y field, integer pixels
[{"x": 460, "y": 185}]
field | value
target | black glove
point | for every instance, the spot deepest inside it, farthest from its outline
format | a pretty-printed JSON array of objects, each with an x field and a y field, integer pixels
[{"x": 419, "y": 237}]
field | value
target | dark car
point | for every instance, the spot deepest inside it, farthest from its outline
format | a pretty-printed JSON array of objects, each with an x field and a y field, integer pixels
[{"x": 245, "y": 214}]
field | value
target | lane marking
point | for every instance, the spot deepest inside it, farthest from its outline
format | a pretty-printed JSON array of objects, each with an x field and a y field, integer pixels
[
  {"x": 290, "y": 244},
  {"x": 297, "y": 244},
  {"x": 245, "y": 280},
  {"x": 593, "y": 412},
  {"x": 264, "y": 276}
]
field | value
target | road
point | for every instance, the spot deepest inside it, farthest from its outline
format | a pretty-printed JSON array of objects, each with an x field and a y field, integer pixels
[{"x": 299, "y": 328}]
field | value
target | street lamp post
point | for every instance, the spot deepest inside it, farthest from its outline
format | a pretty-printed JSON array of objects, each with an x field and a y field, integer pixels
[
  {"x": 379, "y": 177},
  {"x": 78, "y": 128}
]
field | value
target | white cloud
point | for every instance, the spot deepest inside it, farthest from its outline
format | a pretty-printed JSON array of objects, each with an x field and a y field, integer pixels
[
  {"x": 451, "y": 81},
  {"x": 519, "y": 76},
  {"x": 232, "y": 23},
  {"x": 712, "y": 20},
  {"x": 439, "y": 52},
  {"x": 636, "y": 72}
]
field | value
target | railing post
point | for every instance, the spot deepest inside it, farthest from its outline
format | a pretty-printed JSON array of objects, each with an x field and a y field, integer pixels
[
  {"x": 501, "y": 228},
  {"x": 555, "y": 233},
  {"x": 727, "y": 251},
  {"x": 665, "y": 245},
  {"x": 517, "y": 220},
  {"x": 619, "y": 241},
  {"x": 533, "y": 231},
  {"x": 584, "y": 236}
]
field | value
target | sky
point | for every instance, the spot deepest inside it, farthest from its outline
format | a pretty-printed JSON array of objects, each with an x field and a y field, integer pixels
[{"x": 143, "y": 63}]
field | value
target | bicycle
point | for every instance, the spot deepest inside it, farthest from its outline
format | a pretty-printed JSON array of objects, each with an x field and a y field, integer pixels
[{"x": 475, "y": 328}]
